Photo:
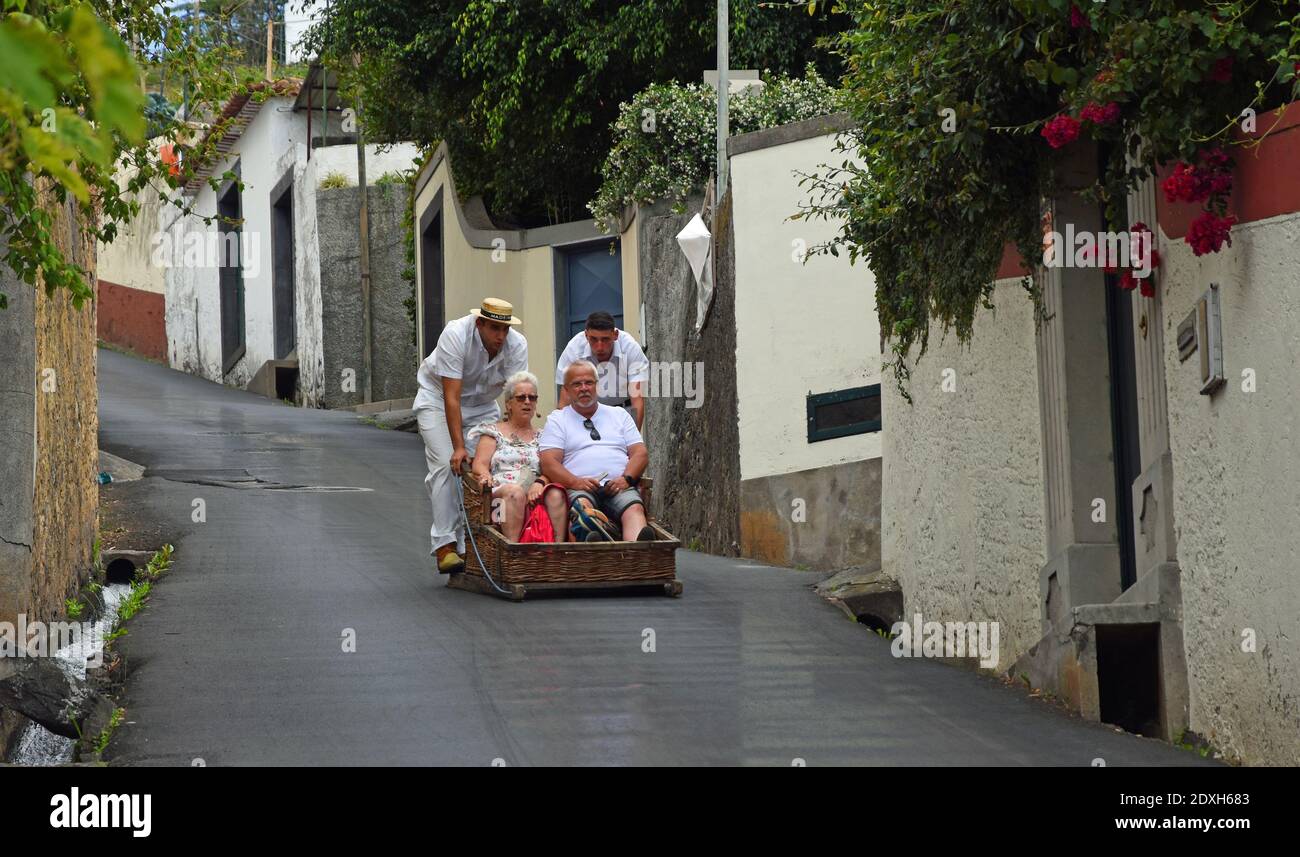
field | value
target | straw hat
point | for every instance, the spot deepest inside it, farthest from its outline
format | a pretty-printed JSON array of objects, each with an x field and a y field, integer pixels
[{"x": 495, "y": 309}]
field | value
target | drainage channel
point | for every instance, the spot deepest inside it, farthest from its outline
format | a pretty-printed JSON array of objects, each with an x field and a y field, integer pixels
[{"x": 38, "y": 746}]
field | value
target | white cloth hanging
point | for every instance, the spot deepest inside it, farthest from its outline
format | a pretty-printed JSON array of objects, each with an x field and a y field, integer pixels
[{"x": 697, "y": 245}]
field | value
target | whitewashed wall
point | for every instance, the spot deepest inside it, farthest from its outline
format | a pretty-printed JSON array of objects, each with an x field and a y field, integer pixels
[
  {"x": 962, "y": 487},
  {"x": 1236, "y": 463},
  {"x": 800, "y": 328}
]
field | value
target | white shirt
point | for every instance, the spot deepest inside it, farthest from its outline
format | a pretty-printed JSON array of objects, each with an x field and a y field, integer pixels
[
  {"x": 627, "y": 363},
  {"x": 460, "y": 354},
  {"x": 586, "y": 457}
]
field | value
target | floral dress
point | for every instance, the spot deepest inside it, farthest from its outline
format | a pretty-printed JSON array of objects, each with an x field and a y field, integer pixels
[{"x": 510, "y": 457}]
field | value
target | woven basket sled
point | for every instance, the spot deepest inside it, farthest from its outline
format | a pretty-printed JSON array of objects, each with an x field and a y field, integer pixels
[{"x": 522, "y": 568}]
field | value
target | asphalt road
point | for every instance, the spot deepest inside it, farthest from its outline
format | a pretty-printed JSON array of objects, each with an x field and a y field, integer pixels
[{"x": 239, "y": 658}]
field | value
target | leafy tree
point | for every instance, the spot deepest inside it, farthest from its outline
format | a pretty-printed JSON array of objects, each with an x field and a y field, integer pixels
[
  {"x": 524, "y": 91},
  {"x": 73, "y": 114}
]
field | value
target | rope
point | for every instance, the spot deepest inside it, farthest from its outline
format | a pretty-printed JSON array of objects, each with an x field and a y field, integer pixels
[{"x": 469, "y": 531}]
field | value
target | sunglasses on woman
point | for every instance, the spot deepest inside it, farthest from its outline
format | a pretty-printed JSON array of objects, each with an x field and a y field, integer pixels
[{"x": 524, "y": 397}]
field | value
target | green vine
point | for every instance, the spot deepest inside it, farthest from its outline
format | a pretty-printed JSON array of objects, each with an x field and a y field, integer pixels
[{"x": 963, "y": 110}]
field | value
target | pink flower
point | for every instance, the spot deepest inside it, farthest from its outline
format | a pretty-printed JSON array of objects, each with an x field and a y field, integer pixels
[
  {"x": 1099, "y": 114},
  {"x": 1078, "y": 20},
  {"x": 1061, "y": 130}
]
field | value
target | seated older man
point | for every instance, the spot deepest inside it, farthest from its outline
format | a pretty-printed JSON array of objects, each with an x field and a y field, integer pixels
[{"x": 596, "y": 452}]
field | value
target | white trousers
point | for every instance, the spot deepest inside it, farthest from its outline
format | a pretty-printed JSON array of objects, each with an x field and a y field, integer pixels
[{"x": 440, "y": 482}]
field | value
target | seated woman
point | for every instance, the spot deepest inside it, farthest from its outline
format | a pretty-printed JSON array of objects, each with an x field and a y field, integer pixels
[{"x": 506, "y": 457}]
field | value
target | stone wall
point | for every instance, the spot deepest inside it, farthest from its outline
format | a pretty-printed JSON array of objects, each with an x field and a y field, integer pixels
[
  {"x": 694, "y": 452},
  {"x": 48, "y": 445},
  {"x": 962, "y": 508},
  {"x": 394, "y": 358}
]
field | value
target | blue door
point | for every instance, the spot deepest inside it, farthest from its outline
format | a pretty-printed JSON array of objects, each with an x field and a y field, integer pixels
[{"x": 593, "y": 281}]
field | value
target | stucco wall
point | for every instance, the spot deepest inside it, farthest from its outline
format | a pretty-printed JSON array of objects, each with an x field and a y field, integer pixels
[
  {"x": 1237, "y": 491},
  {"x": 962, "y": 507},
  {"x": 128, "y": 260},
  {"x": 801, "y": 328}
]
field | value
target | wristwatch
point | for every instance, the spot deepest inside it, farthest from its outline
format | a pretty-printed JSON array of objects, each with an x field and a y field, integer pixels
[{"x": 632, "y": 480}]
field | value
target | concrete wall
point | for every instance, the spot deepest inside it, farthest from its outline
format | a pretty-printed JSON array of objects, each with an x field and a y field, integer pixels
[
  {"x": 132, "y": 319},
  {"x": 962, "y": 507},
  {"x": 804, "y": 325},
  {"x": 394, "y": 358},
  {"x": 397, "y": 158},
  {"x": 801, "y": 327},
  {"x": 1237, "y": 491}
]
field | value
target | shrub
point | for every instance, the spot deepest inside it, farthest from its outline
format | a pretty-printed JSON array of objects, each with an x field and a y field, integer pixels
[{"x": 665, "y": 137}]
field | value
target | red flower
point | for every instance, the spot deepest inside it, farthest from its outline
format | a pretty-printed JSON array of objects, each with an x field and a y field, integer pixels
[
  {"x": 1186, "y": 184},
  {"x": 1127, "y": 281},
  {"x": 1221, "y": 72},
  {"x": 1147, "y": 286},
  {"x": 1098, "y": 114},
  {"x": 1216, "y": 159},
  {"x": 1078, "y": 20},
  {"x": 1208, "y": 233},
  {"x": 1061, "y": 130}
]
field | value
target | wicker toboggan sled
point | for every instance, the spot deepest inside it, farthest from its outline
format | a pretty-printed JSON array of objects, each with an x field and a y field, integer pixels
[{"x": 523, "y": 568}]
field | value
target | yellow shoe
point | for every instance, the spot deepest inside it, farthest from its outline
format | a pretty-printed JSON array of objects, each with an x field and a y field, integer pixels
[{"x": 449, "y": 562}]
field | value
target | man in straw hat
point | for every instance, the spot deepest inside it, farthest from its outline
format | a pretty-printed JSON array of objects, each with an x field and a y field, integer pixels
[{"x": 460, "y": 383}]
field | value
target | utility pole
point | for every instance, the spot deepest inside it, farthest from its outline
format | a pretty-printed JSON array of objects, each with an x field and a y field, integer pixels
[
  {"x": 724, "y": 87},
  {"x": 270, "y": 47},
  {"x": 366, "y": 357}
]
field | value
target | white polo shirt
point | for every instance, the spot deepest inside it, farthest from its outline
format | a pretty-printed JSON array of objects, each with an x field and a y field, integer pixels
[
  {"x": 586, "y": 457},
  {"x": 627, "y": 363},
  {"x": 460, "y": 354}
]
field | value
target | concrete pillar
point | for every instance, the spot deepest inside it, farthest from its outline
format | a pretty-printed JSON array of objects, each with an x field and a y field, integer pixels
[{"x": 1083, "y": 564}]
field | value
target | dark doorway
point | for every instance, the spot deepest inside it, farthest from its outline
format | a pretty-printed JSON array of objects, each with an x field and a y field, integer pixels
[
  {"x": 286, "y": 339},
  {"x": 230, "y": 275},
  {"x": 1124, "y": 420},
  {"x": 588, "y": 278},
  {"x": 432, "y": 295},
  {"x": 1128, "y": 677}
]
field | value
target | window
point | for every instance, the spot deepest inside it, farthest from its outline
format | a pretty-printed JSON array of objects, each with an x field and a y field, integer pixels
[{"x": 844, "y": 412}]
